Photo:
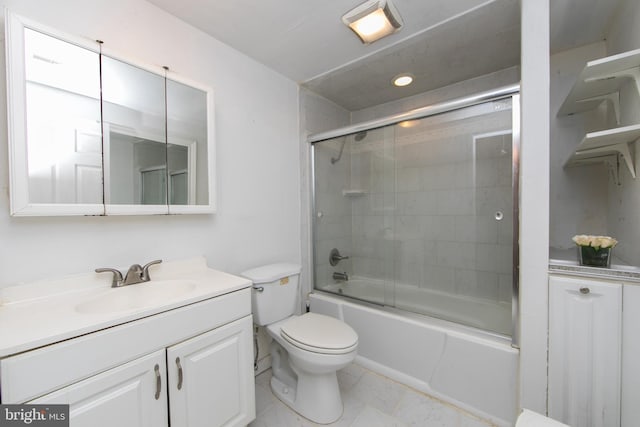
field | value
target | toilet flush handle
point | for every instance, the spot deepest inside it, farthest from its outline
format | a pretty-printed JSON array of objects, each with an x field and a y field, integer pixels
[{"x": 258, "y": 288}]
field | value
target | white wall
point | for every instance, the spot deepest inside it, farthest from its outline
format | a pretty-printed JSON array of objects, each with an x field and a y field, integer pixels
[
  {"x": 258, "y": 160},
  {"x": 624, "y": 31},
  {"x": 624, "y": 199},
  {"x": 534, "y": 204},
  {"x": 578, "y": 199}
]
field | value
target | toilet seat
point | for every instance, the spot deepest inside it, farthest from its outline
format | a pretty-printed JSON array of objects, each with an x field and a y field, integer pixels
[{"x": 319, "y": 334}]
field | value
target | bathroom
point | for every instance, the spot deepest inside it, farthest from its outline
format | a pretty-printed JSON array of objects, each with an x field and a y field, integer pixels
[{"x": 262, "y": 160}]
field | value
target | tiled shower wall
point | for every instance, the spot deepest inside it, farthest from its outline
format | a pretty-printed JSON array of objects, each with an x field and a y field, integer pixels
[{"x": 426, "y": 216}]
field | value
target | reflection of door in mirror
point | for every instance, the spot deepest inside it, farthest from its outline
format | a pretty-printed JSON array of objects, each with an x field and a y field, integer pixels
[
  {"x": 153, "y": 186},
  {"x": 135, "y": 135},
  {"x": 135, "y": 163},
  {"x": 182, "y": 168},
  {"x": 179, "y": 188},
  {"x": 187, "y": 127},
  {"x": 63, "y": 121}
]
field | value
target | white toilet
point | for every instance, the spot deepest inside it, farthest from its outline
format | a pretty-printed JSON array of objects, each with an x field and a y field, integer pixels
[{"x": 306, "y": 350}]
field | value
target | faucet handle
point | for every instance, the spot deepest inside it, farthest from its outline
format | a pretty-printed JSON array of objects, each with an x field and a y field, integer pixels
[
  {"x": 145, "y": 269},
  {"x": 117, "y": 275},
  {"x": 335, "y": 257}
]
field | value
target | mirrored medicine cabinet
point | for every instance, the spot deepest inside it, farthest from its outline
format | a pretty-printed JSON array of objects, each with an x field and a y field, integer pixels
[{"x": 93, "y": 134}]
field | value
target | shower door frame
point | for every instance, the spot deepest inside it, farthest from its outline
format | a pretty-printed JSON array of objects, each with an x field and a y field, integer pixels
[{"x": 513, "y": 92}]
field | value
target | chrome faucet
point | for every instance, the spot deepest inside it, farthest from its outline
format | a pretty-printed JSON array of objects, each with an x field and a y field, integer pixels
[
  {"x": 340, "y": 277},
  {"x": 135, "y": 274}
]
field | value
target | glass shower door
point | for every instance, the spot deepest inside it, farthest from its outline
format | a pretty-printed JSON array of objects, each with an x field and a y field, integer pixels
[
  {"x": 354, "y": 205},
  {"x": 423, "y": 209},
  {"x": 454, "y": 216}
]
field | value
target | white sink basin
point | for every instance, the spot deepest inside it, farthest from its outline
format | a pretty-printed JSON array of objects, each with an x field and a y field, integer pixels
[{"x": 137, "y": 296}]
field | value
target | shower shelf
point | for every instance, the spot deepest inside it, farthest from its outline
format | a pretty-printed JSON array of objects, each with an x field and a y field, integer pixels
[
  {"x": 601, "y": 80},
  {"x": 354, "y": 192},
  {"x": 604, "y": 146}
]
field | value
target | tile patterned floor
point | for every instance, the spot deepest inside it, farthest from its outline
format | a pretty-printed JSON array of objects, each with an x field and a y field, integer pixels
[{"x": 370, "y": 400}]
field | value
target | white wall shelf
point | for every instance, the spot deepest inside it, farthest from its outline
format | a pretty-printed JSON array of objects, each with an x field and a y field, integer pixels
[
  {"x": 601, "y": 80},
  {"x": 605, "y": 146}
]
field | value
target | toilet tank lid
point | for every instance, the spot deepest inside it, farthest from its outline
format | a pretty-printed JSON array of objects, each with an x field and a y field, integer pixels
[{"x": 271, "y": 272}]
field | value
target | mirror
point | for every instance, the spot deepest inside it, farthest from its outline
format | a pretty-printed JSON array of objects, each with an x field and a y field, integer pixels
[
  {"x": 64, "y": 143},
  {"x": 91, "y": 134},
  {"x": 187, "y": 126},
  {"x": 133, "y": 122}
]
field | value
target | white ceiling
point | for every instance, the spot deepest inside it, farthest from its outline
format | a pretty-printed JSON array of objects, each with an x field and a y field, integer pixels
[{"x": 442, "y": 41}]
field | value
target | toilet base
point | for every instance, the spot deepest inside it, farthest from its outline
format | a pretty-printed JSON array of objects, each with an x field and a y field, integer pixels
[{"x": 321, "y": 401}]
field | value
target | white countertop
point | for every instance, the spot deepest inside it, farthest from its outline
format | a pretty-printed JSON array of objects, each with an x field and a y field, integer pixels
[
  {"x": 37, "y": 314},
  {"x": 565, "y": 261}
]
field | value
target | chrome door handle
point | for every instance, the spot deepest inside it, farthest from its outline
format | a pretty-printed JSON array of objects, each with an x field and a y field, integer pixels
[
  {"x": 158, "y": 381},
  {"x": 179, "y": 373}
]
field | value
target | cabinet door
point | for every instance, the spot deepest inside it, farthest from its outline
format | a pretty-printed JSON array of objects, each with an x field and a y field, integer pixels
[
  {"x": 131, "y": 395},
  {"x": 211, "y": 379},
  {"x": 584, "y": 351},
  {"x": 630, "y": 356}
]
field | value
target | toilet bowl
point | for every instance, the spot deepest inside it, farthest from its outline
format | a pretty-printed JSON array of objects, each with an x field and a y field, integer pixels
[
  {"x": 314, "y": 391},
  {"x": 306, "y": 350}
]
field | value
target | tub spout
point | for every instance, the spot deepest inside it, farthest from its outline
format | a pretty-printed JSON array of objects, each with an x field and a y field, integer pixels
[{"x": 340, "y": 277}]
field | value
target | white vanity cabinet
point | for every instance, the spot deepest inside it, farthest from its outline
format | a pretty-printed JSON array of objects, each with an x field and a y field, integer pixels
[
  {"x": 130, "y": 395},
  {"x": 585, "y": 341},
  {"x": 193, "y": 362},
  {"x": 209, "y": 383}
]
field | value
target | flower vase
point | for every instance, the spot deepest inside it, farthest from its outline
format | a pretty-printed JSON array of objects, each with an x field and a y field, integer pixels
[{"x": 592, "y": 257}]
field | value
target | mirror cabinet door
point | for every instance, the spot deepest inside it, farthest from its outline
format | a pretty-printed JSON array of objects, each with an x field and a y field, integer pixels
[
  {"x": 187, "y": 153},
  {"x": 62, "y": 158},
  {"x": 88, "y": 132},
  {"x": 135, "y": 149}
]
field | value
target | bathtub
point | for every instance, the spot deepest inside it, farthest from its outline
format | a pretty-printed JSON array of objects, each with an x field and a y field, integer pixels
[
  {"x": 469, "y": 368},
  {"x": 476, "y": 312}
]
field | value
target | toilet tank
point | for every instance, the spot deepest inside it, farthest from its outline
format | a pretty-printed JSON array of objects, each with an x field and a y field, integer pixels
[{"x": 275, "y": 291}]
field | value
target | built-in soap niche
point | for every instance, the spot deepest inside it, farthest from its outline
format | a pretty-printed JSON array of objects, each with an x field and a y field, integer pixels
[
  {"x": 94, "y": 133},
  {"x": 601, "y": 81}
]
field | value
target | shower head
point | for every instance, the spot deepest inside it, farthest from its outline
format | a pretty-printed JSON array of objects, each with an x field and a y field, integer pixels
[
  {"x": 357, "y": 137},
  {"x": 335, "y": 159}
]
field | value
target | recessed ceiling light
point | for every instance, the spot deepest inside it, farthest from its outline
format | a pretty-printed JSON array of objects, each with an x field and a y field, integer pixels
[
  {"x": 402, "y": 80},
  {"x": 373, "y": 20}
]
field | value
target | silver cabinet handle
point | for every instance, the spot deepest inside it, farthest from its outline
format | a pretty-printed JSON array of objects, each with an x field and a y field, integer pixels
[
  {"x": 179, "y": 373},
  {"x": 158, "y": 381},
  {"x": 585, "y": 290}
]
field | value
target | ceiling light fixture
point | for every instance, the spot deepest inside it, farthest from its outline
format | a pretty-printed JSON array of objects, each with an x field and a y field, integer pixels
[
  {"x": 402, "y": 80},
  {"x": 373, "y": 20}
]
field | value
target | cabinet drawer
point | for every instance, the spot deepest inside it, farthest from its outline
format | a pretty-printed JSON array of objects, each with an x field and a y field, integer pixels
[{"x": 34, "y": 373}]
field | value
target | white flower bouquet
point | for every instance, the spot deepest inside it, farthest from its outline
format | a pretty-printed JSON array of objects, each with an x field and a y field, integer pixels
[{"x": 594, "y": 251}]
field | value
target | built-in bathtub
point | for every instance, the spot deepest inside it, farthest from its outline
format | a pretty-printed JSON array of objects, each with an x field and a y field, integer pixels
[
  {"x": 469, "y": 368},
  {"x": 484, "y": 314}
]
